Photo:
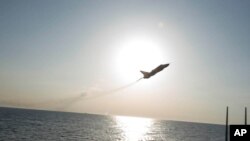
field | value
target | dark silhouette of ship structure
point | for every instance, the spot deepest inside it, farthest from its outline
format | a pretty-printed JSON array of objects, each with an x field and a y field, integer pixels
[{"x": 226, "y": 131}]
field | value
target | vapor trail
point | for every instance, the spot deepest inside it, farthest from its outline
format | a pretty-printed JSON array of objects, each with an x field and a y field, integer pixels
[
  {"x": 62, "y": 104},
  {"x": 112, "y": 91},
  {"x": 124, "y": 87},
  {"x": 69, "y": 102}
]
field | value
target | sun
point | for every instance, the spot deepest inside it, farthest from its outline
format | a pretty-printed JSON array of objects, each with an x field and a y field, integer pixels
[{"x": 137, "y": 54}]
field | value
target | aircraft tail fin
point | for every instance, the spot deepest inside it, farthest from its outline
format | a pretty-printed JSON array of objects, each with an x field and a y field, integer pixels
[{"x": 145, "y": 74}]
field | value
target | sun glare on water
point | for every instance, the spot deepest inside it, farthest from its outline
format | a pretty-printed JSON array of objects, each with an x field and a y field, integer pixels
[
  {"x": 134, "y": 128},
  {"x": 137, "y": 54}
]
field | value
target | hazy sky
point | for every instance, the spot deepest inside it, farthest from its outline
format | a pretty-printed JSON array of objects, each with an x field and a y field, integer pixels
[{"x": 53, "y": 51}]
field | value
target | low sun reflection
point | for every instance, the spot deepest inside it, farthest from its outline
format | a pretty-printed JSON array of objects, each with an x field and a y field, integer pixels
[{"x": 134, "y": 128}]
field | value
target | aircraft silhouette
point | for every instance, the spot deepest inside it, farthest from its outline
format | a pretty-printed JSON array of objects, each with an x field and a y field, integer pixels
[{"x": 147, "y": 75}]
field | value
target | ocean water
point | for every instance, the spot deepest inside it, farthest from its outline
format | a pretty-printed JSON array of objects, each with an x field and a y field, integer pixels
[{"x": 37, "y": 125}]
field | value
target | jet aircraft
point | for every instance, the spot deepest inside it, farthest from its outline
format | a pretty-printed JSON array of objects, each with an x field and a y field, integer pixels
[{"x": 147, "y": 75}]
